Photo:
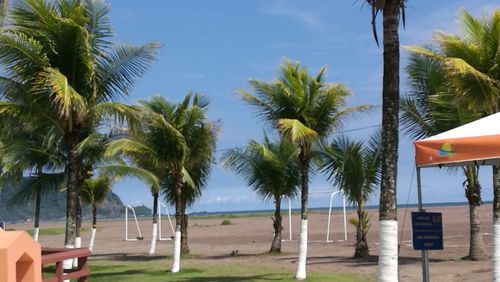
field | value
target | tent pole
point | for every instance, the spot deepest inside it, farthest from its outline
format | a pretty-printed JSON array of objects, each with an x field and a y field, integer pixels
[{"x": 425, "y": 254}]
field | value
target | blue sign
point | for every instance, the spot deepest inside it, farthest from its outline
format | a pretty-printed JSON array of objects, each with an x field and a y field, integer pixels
[{"x": 427, "y": 230}]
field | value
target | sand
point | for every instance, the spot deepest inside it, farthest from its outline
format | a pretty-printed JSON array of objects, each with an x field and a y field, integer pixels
[{"x": 212, "y": 244}]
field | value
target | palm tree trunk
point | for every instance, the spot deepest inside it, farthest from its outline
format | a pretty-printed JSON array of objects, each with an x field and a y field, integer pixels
[
  {"x": 78, "y": 237},
  {"x": 276, "y": 244},
  {"x": 388, "y": 237},
  {"x": 304, "y": 172},
  {"x": 496, "y": 224},
  {"x": 94, "y": 227},
  {"x": 362, "y": 250},
  {"x": 71, "y": 190},
  {"x": 154, "y": 233},
  {"x": 38, "y": 197},
  {"x": 184, "y": 231},
  {"x": 178, "y": 219},
  {"x": 78, "y": 242},
  {"x": 473, "y": 194}
]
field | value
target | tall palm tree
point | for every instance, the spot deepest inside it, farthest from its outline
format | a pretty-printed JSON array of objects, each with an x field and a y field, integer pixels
[
  {"x": 161, "y": 144},
  {"x": 93, "y": 193},
  {"x": 303, "y": 108},
  {"x": 388, "y": 237},
  {"x": 272, "y": 171},
  {"x": 430, "y": 108},
  {"x": 60, "y": 57},
  {"x": 354, "y": 167}
]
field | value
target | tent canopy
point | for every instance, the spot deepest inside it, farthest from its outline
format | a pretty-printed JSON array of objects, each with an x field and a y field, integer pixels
[{"x": 475, "y": 143}]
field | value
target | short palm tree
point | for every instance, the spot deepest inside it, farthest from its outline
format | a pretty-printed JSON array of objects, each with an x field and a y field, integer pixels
[
  {"x": 430, "y": 108},
  {"x": 93, "y": 193},
  {"x": 199, "y": 162},
  {"x": 272, "y": 170},
  {"x": 30, "y": 160},
  {"x": 354, "y": 167},
  {"x": 161, "y": 145},
  {"x": 305, "y": 109},
  {"x": 62, "y": 66},
  {"x": 469, "y": 64}
]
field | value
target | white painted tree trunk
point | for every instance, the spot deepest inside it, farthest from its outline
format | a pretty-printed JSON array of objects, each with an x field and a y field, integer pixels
[
  {"x": 78, "y": 244},
  {"x": 301, "y": 263},
  {"x": 176, "y": 265},
  {"x": 36, "y": 233},
  {"x": 68, "y": 264},
  {"x": 388, "y": 254},
  {"x": 154, "y": 237},
  {"x": 92, "y": 239},
  {"x": 496, "y": 251}
]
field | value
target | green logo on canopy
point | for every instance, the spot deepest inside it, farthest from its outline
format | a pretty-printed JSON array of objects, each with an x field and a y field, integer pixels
[{"x": 446, "y": 150}]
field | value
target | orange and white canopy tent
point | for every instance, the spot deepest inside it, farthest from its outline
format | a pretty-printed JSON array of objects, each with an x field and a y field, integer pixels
[{"x": 475, "y": 143}]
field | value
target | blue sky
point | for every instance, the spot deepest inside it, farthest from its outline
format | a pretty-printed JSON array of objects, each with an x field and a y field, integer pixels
[{"x": 214, "y": 47}]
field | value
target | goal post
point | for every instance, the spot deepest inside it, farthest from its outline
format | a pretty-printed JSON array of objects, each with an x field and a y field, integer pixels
[
  {"x": 127, "y": 208},
  {"x": 329, "y": 222},
  {"x": 160, "y": 238}
]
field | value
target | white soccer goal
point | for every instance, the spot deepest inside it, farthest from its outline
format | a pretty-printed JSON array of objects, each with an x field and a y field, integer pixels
[
  {"x": 127, "y": 208},
  {"x": 164, "y": 207},
  {"x": 161, "y": 207},
  {"x": 329, "y": 223}
]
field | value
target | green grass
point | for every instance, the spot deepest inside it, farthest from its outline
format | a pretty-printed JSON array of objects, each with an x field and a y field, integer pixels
[
  {"x": 155, "y": 271},
  {"x": 226, "y": 222},
  {"x": 54, "y": 231}
]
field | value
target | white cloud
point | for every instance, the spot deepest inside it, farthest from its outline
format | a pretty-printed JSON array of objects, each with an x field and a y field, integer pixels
[
  {"x": 230, "y": 199},
  {"x": 281, "y": 8}
]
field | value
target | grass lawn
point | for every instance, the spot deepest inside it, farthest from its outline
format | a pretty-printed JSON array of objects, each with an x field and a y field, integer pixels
[
  {"x": 54, "y": 231},
  {"x": 152, "y": 271}
]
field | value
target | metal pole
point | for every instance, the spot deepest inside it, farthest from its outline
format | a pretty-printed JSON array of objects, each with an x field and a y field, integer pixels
[
  {"x": 329, "y": 218},
  {"x": 136, "y": 222},
  {"x": 126, "y": 223},
  {"x": 169, "y": 220},
  {"x": 425, "y": 254},
  {"x": 345, "y": 218},
  {"x": 159, "y": 220},
  {"x": 290, "y": 219}
]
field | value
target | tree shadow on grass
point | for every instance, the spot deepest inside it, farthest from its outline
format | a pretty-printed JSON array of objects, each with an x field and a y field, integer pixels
[
  {"x": 369, "y": 261},
  {"x": 145, "y": 274},
  {"x": 262, "y": 277},
  {"x": 127, "y": 257}
]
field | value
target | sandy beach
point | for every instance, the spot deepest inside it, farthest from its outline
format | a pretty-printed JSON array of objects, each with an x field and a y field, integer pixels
[{"x": 212, "y": 243}]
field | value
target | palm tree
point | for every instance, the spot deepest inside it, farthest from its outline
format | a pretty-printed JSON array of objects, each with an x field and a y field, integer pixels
[
  {"x": 31, "y": 149},
  {"x": 202, "y": 143},
  {"x": 470, "y": 66},
  {"x": 430, "y": 108},
  {"x": 388, "y": 237},
  {"x": 60, "y": 56},
  {"x": 304, "y": 109},
  {"x": 162, "y": 145},
  {"x": 355, "y": 168},
  {"x": 94, "y": 192},
  {"x": 272, "y": 171}
]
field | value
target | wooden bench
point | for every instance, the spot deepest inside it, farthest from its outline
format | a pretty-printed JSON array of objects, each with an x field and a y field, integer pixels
[{"x": 57, "y": 256}]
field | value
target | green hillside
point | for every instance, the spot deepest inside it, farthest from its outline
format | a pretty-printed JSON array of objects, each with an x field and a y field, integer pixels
[{"x": 53, "y": 207}]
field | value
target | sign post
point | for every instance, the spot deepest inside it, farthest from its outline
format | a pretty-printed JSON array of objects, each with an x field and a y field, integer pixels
[{"x": 427, "y": 231}]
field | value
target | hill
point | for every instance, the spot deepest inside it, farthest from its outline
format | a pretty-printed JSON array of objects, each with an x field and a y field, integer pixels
[{"x": 53, "y": 207}]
